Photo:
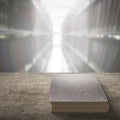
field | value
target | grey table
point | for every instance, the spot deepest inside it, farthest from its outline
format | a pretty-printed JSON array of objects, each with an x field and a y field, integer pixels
[{"x": 25, "y": 96}]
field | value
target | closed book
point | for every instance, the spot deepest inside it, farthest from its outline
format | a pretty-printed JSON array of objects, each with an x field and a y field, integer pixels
[{"x": 77, "y": 93}]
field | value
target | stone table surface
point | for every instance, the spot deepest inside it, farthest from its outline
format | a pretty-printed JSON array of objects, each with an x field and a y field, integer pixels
[{"x": 25, "y": 96}]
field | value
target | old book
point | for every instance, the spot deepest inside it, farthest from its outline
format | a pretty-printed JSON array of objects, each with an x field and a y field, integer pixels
[{"x": 77, "y": 93}]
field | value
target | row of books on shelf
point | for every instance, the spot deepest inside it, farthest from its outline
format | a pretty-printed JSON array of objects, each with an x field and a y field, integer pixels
[
  {"x": 105, "y": 15},
  {"x": 100, "y": 17},
  {"x": 105, "y": 55},
  {"x": 79, "y": 44},
  {"x": 76, "y": 59},
  {"x": 16, "y": 53},
  {"x": 17, "y": 16},
  {"x": 3, "y": 13}
]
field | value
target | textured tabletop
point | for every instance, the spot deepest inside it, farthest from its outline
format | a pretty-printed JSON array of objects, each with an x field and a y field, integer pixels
[{"x": 25, "y": 96}]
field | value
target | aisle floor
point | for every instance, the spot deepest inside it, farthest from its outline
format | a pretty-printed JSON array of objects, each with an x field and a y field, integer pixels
[{"x": 57, "y": 62}]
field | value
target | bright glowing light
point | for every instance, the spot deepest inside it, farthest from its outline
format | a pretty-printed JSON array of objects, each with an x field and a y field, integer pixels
[
  {"x": 58, "y": 10},
  {"x": 57, "y": 62},
  {"x": 110, "y": 36},
  {"x": 36, "y": 4},
  {"x": 116, "y": 37},
  {"x": 58, "y": 3}
]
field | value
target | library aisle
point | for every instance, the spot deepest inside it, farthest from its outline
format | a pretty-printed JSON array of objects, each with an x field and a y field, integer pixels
[{"x": 55, "y": 61}]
